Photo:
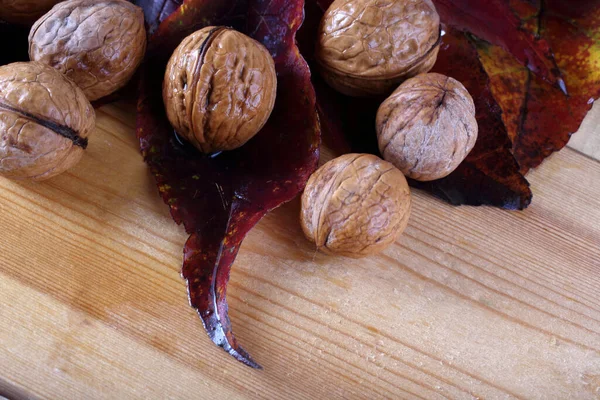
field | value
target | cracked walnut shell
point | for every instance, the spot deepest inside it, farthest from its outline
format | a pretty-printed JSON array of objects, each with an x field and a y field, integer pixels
[
  {"x": 355, "y": 205},
  {"x": 367, "y": 47},
  {"x": 97, "y": 44},
  {"x": 219, "y": 88},
  {"x": 427, "y": 127},
  {"x": 24, "y": 12},
  {"x": 45, "y": 120}
]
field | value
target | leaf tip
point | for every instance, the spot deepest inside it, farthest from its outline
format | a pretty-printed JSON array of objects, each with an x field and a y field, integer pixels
[{"x": 242, "y": 356}]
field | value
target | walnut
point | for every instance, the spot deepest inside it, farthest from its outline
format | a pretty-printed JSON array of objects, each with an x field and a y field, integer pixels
[
  {"x": 97, "y": 44},
  {"x": 24, "y": 12},
  {"x": 355, "y": 205},
  {"x": 427, "y": 126},
  {"x": 367, "y": 47},
  {"x": 45, "y": 120},
  {"x": 219, "y": 88}
]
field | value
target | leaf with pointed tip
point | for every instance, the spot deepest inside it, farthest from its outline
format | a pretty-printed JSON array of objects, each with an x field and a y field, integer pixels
[
  {"x": 495, "y": 22},
  {"x": 219, "y": 199},
  {"x": 540, "y": 119}
]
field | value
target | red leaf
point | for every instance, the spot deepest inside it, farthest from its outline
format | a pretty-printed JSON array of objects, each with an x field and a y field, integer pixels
[
  {"x": 494, "y": 21},
  {"x": 220, "y": 199},
  {"x": 540, "y": 119}
]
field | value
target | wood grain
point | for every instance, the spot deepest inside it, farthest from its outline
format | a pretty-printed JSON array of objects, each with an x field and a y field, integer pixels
[
  {"x": 469, "y": 303},
  {"x": 587, "y": 140}
]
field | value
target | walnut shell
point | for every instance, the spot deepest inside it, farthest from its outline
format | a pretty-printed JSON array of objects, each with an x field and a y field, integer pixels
[
  {"x": 45, "y": 120},
  {"x": 367, "y": 47},
  {"x": 427, "y": 127},
  {"x": 355, "y": 205},
  {"x": 219, "y": 88},
  {"x": 24, "y": 12},
  {"x": 97, "y": 44}
]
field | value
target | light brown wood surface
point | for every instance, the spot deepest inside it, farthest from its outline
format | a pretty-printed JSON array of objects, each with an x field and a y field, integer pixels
[
  {"x": 587, "y": 140},
  {"x": 469, "y": 303}
]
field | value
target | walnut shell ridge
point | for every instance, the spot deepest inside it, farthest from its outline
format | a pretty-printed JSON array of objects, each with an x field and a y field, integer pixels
[
  {"x": 355, "y": 205},
  {"x": 219, "y": 88},
  {"x": 427, "y": 127},
  {"x": 97, "y": 44},
  {"x": 24, "y": 12},
  {"x": 45, "y": 120},
  {"x": 367, "y": 47}
]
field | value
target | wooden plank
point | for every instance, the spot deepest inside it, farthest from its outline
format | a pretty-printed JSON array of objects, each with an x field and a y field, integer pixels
[
  {"x": 587, "y": 139},
  {"x": 470, "y": 302},
  {"x": 77, "y": 357}
]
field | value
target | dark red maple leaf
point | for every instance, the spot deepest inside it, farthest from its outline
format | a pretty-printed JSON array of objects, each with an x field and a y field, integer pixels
[
  {"x": 494, "y": 22},
  {"x": 519, "y": 37},
  {"x": 540, "y": 119},
  {"x": 219, "y": 199}
]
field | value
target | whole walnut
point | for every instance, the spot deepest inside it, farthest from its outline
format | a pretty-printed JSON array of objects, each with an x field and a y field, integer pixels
[
  {"x": 219, "y": 88},
  {"x": 355, "y": 205},
  {"x": 97, "y": 44},
  {"x": 45, "y": 120},
  {"x": 367, "y": 47},
  {"x": 24, "y": 12},
  {"x": 427, "y": 127}
]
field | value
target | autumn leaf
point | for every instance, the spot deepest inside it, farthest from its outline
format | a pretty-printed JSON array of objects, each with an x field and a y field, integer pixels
[
  {"x": 540, "y": 119},
  {"x": 219, "y": 199},
  {"x": 493, "y": 21}
]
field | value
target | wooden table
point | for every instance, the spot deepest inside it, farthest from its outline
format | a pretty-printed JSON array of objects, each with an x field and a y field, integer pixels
[{"x": 469, "y": 303}]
